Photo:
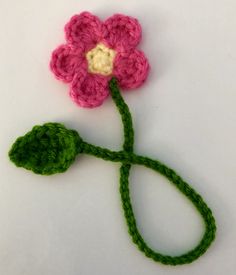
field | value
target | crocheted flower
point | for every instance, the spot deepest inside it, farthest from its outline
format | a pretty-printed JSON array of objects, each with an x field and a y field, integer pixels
[{"x": 97, "y": 51}]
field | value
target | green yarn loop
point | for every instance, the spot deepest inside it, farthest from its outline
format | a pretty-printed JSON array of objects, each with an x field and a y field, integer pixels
[
  {"x": 127, "y": 158},
  {"x": 51, "y": 148}
]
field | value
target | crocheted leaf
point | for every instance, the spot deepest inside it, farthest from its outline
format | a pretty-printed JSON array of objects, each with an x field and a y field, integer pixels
[{"x": 46, "y": 149}]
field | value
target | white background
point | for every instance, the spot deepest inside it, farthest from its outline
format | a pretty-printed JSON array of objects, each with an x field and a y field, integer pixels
[{"x": 184, "y": 115}]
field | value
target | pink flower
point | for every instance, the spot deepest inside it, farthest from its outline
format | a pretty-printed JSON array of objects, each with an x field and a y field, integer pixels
[{"x": 95, "y": 52}]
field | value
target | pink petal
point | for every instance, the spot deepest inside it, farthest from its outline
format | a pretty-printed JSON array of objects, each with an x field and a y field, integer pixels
[
  {"x": 122, "y": 32},
  {"x": 84, "y": 29},
  {"x": 131, "y": 69},
  {"x": 89, "y": 90},
  {"x": 65, "y": 61}
]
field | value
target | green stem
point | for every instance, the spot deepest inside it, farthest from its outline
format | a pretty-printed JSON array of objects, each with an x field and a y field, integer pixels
[
  {"x": 125, "y": 116},
  {"x": 127, "y": 158},
  {"x": 127, "y": 147}
]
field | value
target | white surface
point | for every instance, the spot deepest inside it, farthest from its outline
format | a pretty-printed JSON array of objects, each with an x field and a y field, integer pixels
[{"x": 184, "y": 115}]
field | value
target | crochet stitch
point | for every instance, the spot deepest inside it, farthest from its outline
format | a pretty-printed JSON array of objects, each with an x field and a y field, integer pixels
[
  {"x": 51, "y": 148},
  {"x": 47, "y": 149},
  {"x": 98, "y": 59},
  {"x": 88, "y": 72}
]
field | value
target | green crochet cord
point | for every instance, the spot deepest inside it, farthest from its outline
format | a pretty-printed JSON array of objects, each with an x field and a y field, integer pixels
[{"x": 51, "y": 148}]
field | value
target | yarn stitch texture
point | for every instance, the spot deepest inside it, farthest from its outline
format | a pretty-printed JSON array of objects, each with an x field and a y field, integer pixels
[
  {"x": 51, "y": 148},
  {"x": 84, "y": 32},
  {"x": 46, "y": 150}
]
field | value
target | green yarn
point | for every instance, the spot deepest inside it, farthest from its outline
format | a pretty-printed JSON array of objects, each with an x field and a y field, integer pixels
[
  {"x": 127, "y": 157},
  {"x": 125, "y": 116},
  {"x": 51, "y": 148},
  {"x": 46, "y": 149}
]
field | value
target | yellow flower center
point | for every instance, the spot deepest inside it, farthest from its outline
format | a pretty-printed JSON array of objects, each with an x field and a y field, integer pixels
[{"x": 100, "y": 60}]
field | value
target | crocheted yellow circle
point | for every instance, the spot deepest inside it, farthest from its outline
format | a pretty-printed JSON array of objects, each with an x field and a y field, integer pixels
[{"x": 100, "y": 60}]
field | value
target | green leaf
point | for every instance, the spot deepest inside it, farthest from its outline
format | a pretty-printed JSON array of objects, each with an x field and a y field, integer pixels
[{"x": 46, "y": 149}]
